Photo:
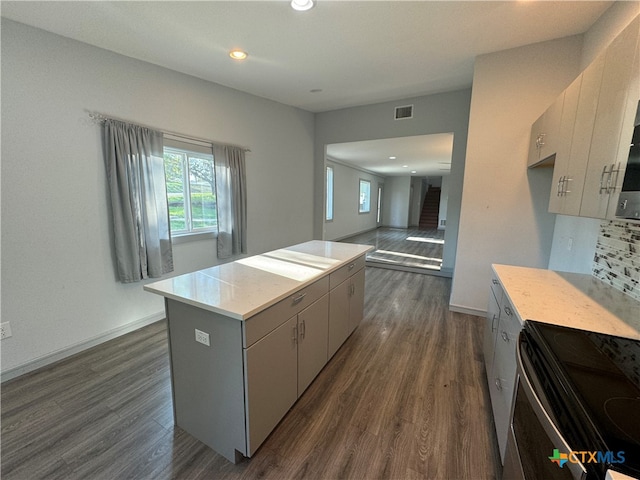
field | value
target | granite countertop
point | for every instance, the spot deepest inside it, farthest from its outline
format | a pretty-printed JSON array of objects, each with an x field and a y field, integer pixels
[
  {"x": 247, "y": 286},
  {"x": 569, "y": 299}
]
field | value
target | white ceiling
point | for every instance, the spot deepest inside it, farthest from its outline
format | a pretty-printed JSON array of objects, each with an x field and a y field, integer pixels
[
  {"x": 355, "y": 52},
  {"x": 426, "y": 155}
]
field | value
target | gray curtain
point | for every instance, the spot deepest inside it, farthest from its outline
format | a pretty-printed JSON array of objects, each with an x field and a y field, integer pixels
[
  {"x": 231, "y": 200},
  {"x": 135, "y": 168}
]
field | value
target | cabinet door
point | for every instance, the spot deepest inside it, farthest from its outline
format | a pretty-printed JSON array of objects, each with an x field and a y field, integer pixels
[
  {"x": 491, "y": 326},
  {"x": 632, "y": 106},
  {"x": 564, "y": 176},
  {"x": 356, "y": 300},
  {"x": 338, "y": 316},
  {"x": 551, "y": 123},
  {"x": 603, "y": 155},
  {"x": 545, "y": 133},
  {"x": 535, "y": 142},
  {"x": 313, "y": 337},
  {"x": 271, "y": 381}
]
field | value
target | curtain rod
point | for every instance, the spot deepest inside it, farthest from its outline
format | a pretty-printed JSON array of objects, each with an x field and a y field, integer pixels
[{"x": 100, "y": 117}]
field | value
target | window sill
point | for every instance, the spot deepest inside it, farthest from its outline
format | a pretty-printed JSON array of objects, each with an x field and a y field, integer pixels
[{"x": 193, "y": 237}]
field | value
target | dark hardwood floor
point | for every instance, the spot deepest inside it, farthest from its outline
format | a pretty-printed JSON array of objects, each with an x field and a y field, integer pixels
[
  {"x": 412, "y": 249},
  {"x": 404, "y": 398}
]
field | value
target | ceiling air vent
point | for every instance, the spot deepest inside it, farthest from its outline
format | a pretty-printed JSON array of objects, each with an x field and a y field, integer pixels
[{"x": 403, "y": 112}]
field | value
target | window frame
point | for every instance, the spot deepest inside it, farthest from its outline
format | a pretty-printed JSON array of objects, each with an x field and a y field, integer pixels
[
  {"x": 364, "y": 206},
  {"x": 186, "y": 152},
  {"x": 329, "y": 193}
]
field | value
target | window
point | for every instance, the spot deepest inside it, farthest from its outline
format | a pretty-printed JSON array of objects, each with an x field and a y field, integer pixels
[
  {"x": 365, "y": 197},
  {"x": 191, "y": 192},
  {"x": 329, "y": 204}
]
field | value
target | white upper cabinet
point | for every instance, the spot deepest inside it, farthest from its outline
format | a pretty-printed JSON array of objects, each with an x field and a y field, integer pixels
[
  {"x": 607, "y": 156},
  {"x": 545, "y": 134},
  {"x": 581, "y": 103},
  {"x": 595, "y": 120}
]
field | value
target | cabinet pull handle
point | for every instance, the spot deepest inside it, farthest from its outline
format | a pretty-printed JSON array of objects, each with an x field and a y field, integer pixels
[
  {"x": 493, "y": 321},
  {"x": 508, "y": 310},
  {"x": 303, "y": 330},
  {"x": 494, "y": 281},
  {"x": 351, "y": 266},
  {"x": 611, "y": 185},
  {"x": 566, "y": 184},
  {"x": 505, "y": 336},
  {"x": 498, "y": 383},
  {"x": 603, "y": 188},
  {"x": 299, "y": 298},
  {"x": 540, "y": 142},
  {"x": 559, "y": 187},
  {"x": 294, "y": 336}
]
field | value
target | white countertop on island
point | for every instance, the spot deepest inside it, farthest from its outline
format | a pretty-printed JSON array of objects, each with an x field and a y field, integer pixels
[
  {"x": 242, "y": 288},
  {"x": 570, "y": 299}
]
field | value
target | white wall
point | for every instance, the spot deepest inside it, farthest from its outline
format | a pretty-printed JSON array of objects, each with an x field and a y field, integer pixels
[
  {"x": 441, "y": 113},
  {"x": 583, "y": 232},
  {"x": 444, "y": 200},
  {"x": 417, "y": 199},
  {"x": 58, "y": 282},
  {"x": 504, "y": 215},
  {"x": 346, "y": 191},
  {"x": 396, "y": 202}
]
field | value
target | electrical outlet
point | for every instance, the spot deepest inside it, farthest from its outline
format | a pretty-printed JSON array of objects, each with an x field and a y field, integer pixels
[
  {"x": 5, "y": 330},
  {"x": 202, "y": 337}
]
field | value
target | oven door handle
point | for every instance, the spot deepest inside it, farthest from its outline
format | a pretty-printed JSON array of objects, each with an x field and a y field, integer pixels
[{"x": 577, "y": 469}]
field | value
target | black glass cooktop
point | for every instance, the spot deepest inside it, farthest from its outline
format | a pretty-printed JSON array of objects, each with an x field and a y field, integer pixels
[{"x": 597, "y": 379}]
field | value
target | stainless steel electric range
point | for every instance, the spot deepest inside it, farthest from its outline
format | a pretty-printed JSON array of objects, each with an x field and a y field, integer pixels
[{"x": 576, "y": 412}]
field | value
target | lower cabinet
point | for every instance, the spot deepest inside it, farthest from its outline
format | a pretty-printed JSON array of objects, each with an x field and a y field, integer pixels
[
  {"x": 500, "y": 360},
  {"x": 491, "y": 324},
  {"x": 271, "y": 381},
  {"x": 346, "y": 308},
  {"x": 280, "y": 366}
]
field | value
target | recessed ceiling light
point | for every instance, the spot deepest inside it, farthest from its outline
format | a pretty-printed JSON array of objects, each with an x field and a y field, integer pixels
[
  {"x": 414, "y": 171},
  {"x": 237, "y": 54},
  {"x": 392, "y": 158},
  {"x": 302, "y": 5},
  {"x": 405, "y": 166}
]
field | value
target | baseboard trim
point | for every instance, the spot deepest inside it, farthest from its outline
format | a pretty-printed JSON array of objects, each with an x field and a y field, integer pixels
[
  {"x": 63, "y": 353},
  {"x": 404, "y": 268},
  {"x": 467, "y": 310},
  {"x": 339, "y": 239}
]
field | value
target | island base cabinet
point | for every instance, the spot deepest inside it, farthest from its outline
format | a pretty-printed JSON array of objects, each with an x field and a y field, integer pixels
[
  {"x": 356, "y": 302},
  {"x": 207, "y": 381},
  {"x": 346, "y": 309},
  {"x": 338, "y": 316},
  {"x": 313, "y": 337},
  {"x": 271, "y": 381}
]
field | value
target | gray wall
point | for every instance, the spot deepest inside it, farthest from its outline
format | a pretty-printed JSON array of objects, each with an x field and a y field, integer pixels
[
  {"x": 441, "y": 113},
  {"x": 396, "y": 202},
  {"x": 504, "y": 216},
  {"x": 346, "y": 189},
  {"x": 58, "y": 284}
]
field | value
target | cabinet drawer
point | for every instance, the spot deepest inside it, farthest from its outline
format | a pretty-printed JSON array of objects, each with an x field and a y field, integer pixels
[
  {"x": 340, "y": 275},
  {"x": 264, "y": 322}
]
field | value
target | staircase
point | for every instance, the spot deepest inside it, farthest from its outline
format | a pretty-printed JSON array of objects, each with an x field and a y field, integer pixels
[{"x": 430, "y": 208}]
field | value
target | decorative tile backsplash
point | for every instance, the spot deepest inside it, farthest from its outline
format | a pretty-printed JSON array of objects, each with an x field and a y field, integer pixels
[{"x": 617, "y": 257}]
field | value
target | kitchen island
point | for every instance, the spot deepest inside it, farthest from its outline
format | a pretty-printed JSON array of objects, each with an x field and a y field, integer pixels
[{"x": 246, "y": 338}]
